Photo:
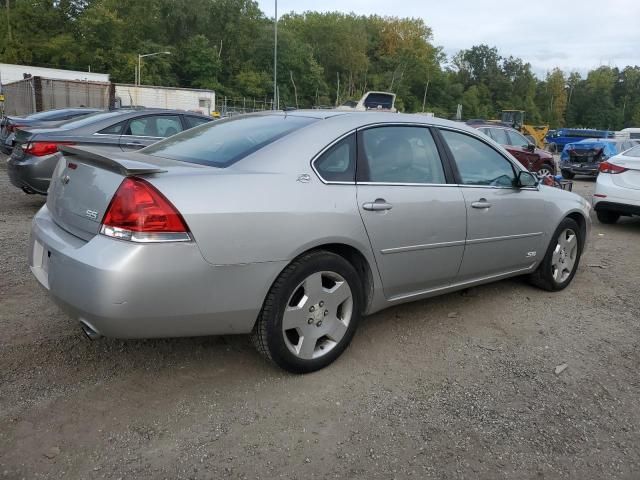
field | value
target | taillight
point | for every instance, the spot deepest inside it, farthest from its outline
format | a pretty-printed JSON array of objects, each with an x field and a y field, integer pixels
[
  {"x": 138, "y": 212},
  {"x": 39, "y": 149},
  {"x": 606, "y": 167}
]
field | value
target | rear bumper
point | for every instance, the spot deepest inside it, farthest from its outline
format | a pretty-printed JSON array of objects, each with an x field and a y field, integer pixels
[
  {"x": 128, "y": 290},
  {"x": 32, "y": 173},
  {"x": 614, "y": 198},
  {"x": 584, "y": 170},
  {"x": 621, "y": 208}
]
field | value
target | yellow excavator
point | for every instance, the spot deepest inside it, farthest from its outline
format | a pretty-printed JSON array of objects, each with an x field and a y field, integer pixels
[{"x": 516, "y": 118}]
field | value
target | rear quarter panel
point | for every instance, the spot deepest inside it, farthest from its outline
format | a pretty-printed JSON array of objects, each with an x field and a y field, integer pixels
[{"x": 259, "y": 210}]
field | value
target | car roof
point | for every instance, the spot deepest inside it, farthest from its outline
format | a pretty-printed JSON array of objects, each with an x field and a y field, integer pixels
[{"x": 369, "y": 117}]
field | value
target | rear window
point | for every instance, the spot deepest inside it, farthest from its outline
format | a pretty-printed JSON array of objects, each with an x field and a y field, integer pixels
[
  {"x": 49, "y": 115},
  {"x": 382, "y": 100},
  {"x": 89, "y": 119},
  {"x": 224, "y": 142},
  {"x": 634, "y": 152}
]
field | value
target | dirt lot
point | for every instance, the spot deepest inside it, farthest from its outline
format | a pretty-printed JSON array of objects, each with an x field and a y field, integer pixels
[{"x": 462, "y": 386}]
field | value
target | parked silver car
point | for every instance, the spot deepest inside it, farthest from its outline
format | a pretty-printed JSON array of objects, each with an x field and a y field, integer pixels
[
  {"x": 46, "y": 119},
  {"x": 292, "y": 225},
  {"x": 35, "y": 154}
]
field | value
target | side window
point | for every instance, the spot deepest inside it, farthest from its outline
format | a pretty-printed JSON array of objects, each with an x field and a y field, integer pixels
[
  {"x": 155, "y": 126},
  {"x": 500, "y": 136},
  {"x": 477, "y": 162},
  {"x": 115, "y": 129},
  {"x": 195, "y": 121},
  {"x": 338, "y": 163},
  {"x": 168, "y": 125},
  {"x": 401, "y": 155},
  {"x": 517, "y": 139}
]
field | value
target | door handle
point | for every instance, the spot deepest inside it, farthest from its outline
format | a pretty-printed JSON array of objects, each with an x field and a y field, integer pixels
[
  {"x": 482, "y": 204},
  {"x": 134, "y": 144},
  {"x": 378, "y": 206}
]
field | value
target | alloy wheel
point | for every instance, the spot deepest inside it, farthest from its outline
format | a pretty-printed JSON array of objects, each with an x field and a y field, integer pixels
[
  {"x": 544, "y": 171},
  {"x": 563, "y": 259},
  {"x": 317, "y": 315}
]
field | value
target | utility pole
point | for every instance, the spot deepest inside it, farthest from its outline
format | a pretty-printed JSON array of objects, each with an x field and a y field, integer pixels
[
  {"x": 275, "y": 56},
  {"x": 424, "y": 98}
]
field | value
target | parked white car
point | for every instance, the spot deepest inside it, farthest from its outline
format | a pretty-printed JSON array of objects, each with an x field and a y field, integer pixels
[{"x": 618, "y": 187}]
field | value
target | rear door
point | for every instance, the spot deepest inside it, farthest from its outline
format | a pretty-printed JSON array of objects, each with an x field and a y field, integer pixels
[
  {"x": 415, "y": 218},
  {"x": 146, "y": 130},
  {"x": 505, "y": 225}
]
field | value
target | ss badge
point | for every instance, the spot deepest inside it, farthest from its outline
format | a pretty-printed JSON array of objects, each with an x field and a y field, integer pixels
[
  {"x": 531, "y": 254},
  {"x": 92, "y": 214}
]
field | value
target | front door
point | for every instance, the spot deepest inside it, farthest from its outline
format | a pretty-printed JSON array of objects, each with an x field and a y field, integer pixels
[
  {"x": 505, "y": 224},
  {"x": 415, "y": 220}
]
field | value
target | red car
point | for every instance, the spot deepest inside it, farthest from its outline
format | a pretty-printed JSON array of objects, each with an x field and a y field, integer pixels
[{"x": 532, "y": 158}]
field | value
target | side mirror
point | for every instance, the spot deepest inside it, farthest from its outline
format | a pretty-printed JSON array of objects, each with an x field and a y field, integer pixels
[
  {"x": 526, "y": 179},
  {"x": 530, "y": 147}
]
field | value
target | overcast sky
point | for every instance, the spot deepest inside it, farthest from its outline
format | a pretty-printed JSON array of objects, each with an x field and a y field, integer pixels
[{"x": 573, "y": 35}]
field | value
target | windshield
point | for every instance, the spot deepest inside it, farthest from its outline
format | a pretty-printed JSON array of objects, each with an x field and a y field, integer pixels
[{"x": 224, "y": 142}]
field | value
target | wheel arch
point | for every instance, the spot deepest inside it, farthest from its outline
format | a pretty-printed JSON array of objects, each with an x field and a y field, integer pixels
[
  {"x": 352, "y": 254},
  {"x": 580, "y": 219}
]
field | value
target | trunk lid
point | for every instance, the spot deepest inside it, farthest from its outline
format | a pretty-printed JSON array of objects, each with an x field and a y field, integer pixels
[
  {"x": 84, "y": 183},
  {"x": 630, "y": 178}
]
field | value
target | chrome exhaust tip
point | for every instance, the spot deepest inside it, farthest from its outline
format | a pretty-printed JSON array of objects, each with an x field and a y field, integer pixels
[{"x": 89, "y": 332}]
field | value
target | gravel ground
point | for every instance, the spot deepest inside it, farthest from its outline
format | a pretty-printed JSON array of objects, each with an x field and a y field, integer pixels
[{"x": 461, "y": 386}]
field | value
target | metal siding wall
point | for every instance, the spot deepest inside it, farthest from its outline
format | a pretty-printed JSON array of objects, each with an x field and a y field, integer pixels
[
  {"x": 66, "y": 93},
  {"x": 19, "y": 97}
]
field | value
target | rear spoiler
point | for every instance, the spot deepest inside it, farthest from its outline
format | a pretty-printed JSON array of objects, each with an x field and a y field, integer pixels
[{"x": 104, "y": 160}]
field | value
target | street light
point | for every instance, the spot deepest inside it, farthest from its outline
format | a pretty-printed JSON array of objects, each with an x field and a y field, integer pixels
[
  {"x": 275, "y": 59},
  {"x": 139, "y": 76}
]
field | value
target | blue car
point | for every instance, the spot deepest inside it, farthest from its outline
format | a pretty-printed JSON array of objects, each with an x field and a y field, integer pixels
[
  {"x": 556, "y": 140},
  {"x": 584, "y": 157}
]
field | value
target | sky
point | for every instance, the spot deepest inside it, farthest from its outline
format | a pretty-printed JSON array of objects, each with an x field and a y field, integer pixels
[{"x": 576, "y": 35}]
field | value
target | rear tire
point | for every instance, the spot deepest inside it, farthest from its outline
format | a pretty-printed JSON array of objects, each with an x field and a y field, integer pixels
[
  {"x": 561, "y": 259},
  {"x": 568, "y": 175},
  {"x": 310, "y": 313},
  {"x": 607, "y": 217}
]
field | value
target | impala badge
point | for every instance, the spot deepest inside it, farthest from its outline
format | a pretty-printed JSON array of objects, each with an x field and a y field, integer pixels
[
  {"x": 92, "y": 214},
  {"x": 65, "y": 179}
]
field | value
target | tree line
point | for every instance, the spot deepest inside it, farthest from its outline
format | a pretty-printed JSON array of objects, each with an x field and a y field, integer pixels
[{"x": 324, "y": 59}]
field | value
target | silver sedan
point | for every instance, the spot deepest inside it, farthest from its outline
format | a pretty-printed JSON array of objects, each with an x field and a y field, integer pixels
[{"x": 290, "y": 226}]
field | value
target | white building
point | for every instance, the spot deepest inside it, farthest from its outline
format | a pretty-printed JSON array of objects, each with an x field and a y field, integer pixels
[{"x": 12, "y": 73}]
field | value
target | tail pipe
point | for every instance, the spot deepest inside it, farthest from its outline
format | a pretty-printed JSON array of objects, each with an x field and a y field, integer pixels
[{"x": 89, "y": 331}]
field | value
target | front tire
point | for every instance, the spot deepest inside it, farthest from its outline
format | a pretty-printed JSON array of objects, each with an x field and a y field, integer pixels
[
  {"x": 545, "y": 170},
  {"x": 607, "y": 217},
  {"x": 310, "y": 313},
  {"x": 561, "y": 260}
]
